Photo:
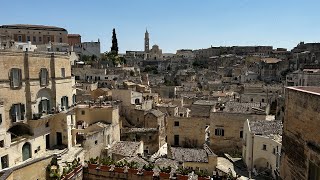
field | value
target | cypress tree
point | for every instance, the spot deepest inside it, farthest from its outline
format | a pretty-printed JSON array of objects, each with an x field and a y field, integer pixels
[{"x": 114, "y": 47}]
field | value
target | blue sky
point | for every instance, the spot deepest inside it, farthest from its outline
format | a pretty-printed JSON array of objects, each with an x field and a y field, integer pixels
[{"x": 175, "y": 24}]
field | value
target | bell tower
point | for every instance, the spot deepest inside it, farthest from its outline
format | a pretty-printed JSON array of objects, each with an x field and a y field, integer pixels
[{"x": 146, "y": 41}]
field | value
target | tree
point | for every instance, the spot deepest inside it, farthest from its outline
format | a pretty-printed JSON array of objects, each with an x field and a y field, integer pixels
[{"x": 114, "y": 47}]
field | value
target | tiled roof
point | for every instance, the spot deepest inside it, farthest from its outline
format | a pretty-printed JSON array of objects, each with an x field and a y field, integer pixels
[
  {"x": 245, "y": 108},
  {"x": 266, "y": 128},
  {"x": 136, "y": 159},
  {"x": 138, "y": 130},
  {"x": 155, "y": 112},
  {"x": 32, "y": 27},
  {"x": 125, "y": 148},
  {"x": 189, "y": 154},
  {"x": 75, "y": 35},
  {"x": 271, "y": 60}
]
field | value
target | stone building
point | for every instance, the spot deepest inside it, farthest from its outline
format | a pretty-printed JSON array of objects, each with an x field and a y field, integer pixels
[
  {"x": 305, "y": 77},
  {"x": 74, "y": 39},
  {"x": 300, "y": 153},
  {"x": 33, "y": 86},
  {"x": 271, "y": 69},
  {"x": 262, "y": 146},
  {"x": 149, "y": 136},
  {"x": 226, "y": 124},
  {"x": 36, "y": 34}
]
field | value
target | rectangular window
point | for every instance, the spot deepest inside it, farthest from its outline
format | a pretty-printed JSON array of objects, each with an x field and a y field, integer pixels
[
  {"x": 28, "y": 38},
  {"x": 4, "y": 161},
  {"x": 264, "y": 147},
  {"x": 64, "y": 103},
  {"x": 314, "y": 171},
  {"x": 176, "y": 140},
  {"x": 60, "y": 40},
  {"x": 17, "y": 112},
  {"x": 1, "y": 143},
  {"x": 48, "y": 39},
  {"x": 63, "y": 72},
  {"x": 0, "y": 119},
  {"x": 176, "y": 123},
  {"x": 19, "y": 38},
  {"x": 241, "y": 134},
  {"x": 83, "y": 112},
  {"x": 43, "y": 77},
  {"x": 15, "y": 77},
  {"x": 219, "y": 132},
  {"x": 40, "y": 39},
  {"x": 44, "y": 106},
  {"x": 34, "y": 39}
]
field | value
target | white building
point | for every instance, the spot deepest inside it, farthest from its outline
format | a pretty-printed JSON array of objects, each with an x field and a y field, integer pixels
[{"x": 262, "y": 146}]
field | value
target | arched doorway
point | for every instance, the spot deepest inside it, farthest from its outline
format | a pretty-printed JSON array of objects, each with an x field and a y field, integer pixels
[{"x": 26, "y": 151}]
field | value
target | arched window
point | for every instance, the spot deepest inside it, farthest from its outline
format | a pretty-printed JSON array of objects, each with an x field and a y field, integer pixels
[{"x": 26, "y": 151}]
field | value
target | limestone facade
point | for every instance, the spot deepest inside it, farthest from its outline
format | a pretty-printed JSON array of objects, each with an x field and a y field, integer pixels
[{"x": 300, "y": 153}]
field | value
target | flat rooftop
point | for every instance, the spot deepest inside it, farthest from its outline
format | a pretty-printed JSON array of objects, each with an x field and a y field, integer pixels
[{"x": 307, "y": 89}]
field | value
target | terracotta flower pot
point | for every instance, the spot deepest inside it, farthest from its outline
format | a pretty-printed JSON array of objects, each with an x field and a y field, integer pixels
[
  {"x": 148, "y": 173},
  {"x": 164, "y": 175},
  {"x": 104, "y": 168},
  {"x": 203, "y": 178},
  {"x": 132, "y": 171},
  {"x": 182, "y": 177},
  {"x": 92, "y": 166},
  {"x": 118, "y": 169}
]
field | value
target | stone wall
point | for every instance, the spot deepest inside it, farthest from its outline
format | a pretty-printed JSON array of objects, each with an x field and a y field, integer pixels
[{"x": 301, "y": 140}]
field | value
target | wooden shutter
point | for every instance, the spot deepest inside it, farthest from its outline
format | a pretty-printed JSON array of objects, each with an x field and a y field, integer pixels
[
  {"x": 11, "y": 77},
  {"x": 12, "y": 113},
  {"x": 20, "y": 77},
  {"x": 40, "y": 107},
  {"x": 22, "y": 111}
]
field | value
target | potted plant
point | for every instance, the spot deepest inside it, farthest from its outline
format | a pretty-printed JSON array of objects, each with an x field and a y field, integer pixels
[
  {"x": 164, "y": 172},
  {"x": 93, "y": 163},
  {"x": 148, "y": 169},
  {"x": 183, "y": 173}
]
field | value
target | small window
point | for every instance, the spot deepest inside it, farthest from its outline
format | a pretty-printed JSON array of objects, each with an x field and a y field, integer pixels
[
  {"x": 241, "y": 134},
  {"x": 19, "y": 38},
  {"x": 17, "y": 112},
  {"x": 264, "y": 147},
  {"x": 83, "y": 112},
  {"x": 274, "y": 151},
  {"x": 1, "y": 143},
  {"x": 40, "y": 39},
  {"x": 262, "y": 100},
  {"x": 15, "y": 78},
  {"x": 96, "y": 142},
  {"x": 0, "y": 119},
  {"x": 34, "y": 39},
  {"x": 28, "y": 38},
  {"x": 176, "y": 123},
  {"x": 60, "y": 40},
  {"x": 63, "y": 72},
  {"x": 150, "y": 137},
  {"x": 47, "y": 124},
  {"x": 48, "y": 38},
  {"x": 219, "y": 132},
  {"x": 44, "y": 77}
]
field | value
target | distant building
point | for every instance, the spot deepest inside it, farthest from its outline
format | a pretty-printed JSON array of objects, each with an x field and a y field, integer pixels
[
  {"x": 36, "y": 34},
  {"x": 74, "y": 39},
  {"x": 305, "y": 77}
]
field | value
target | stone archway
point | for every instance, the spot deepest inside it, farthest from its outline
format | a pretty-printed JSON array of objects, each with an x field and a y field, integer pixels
[
  {"x": 26, "y": 151},
  {"x": 44, "y": 101}
]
